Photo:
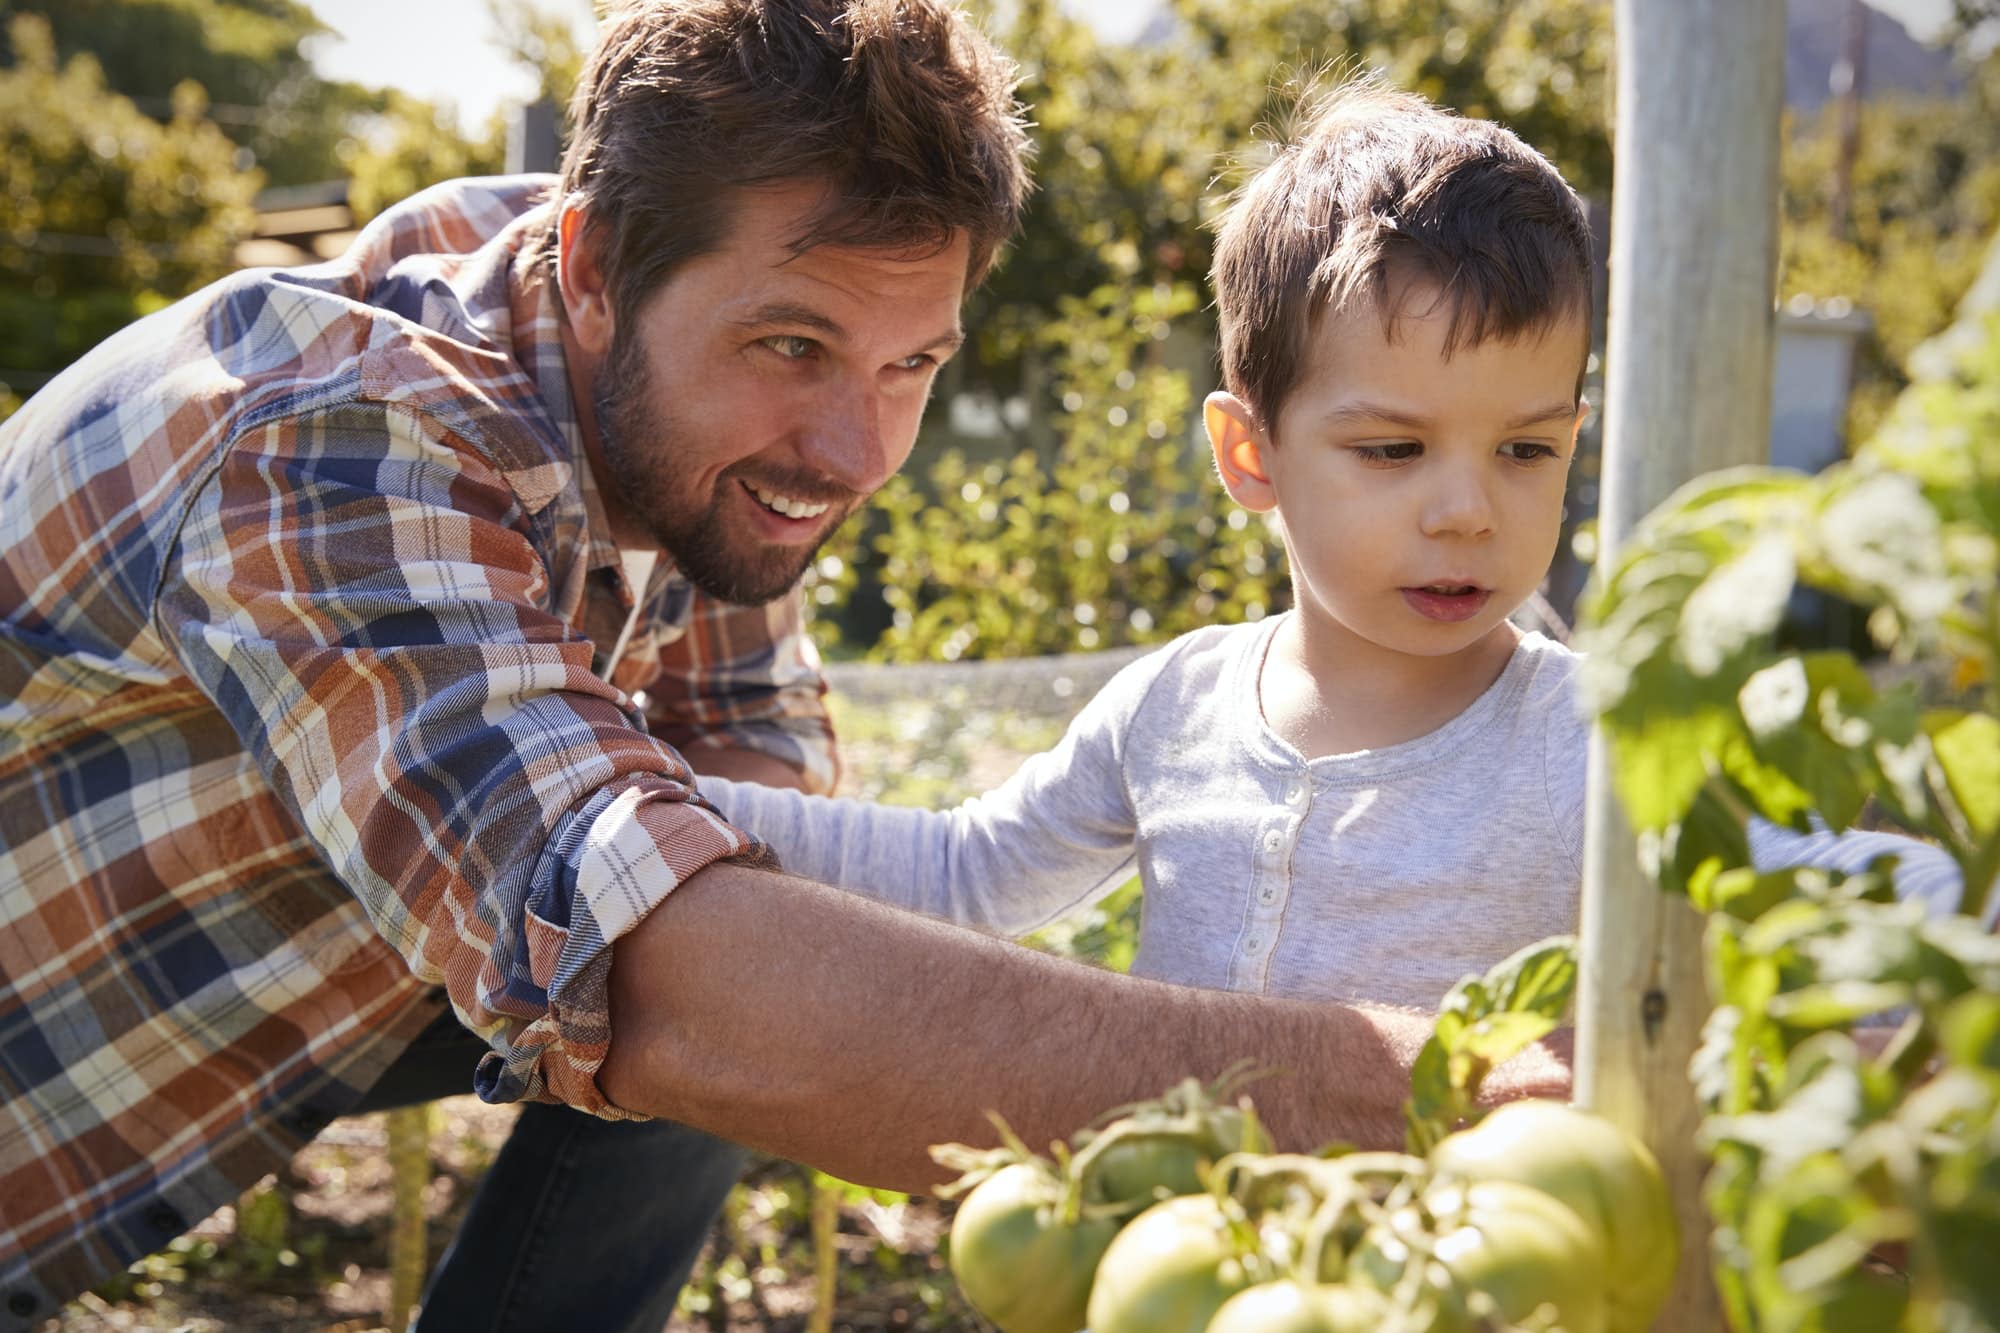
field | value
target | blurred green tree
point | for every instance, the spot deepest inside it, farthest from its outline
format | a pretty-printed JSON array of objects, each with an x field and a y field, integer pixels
[
  {"x": 1925, "y": 202},
  {"x": 247, "y": 55},
  {"x": 109, "y": 212},
  {"x": 1092, "y": 520}
]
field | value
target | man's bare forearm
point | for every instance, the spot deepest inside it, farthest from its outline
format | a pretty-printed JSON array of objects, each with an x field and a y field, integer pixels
[{"x": 838, "y": 1032}]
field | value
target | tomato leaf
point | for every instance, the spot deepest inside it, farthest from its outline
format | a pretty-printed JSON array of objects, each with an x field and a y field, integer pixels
[
  {"x": 1483, "y": 1022},
  {"x": 1970, "y": 1031},
  {"x": 1539, "y": 978},
  {"x": 1967, "y": 746},
  {"x": 1838, "y": 1003}
]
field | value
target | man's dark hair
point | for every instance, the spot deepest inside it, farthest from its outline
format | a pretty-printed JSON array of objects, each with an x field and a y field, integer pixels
[
  {"x": 901, "y": 106},
  {"x": 1377, "y": 188}
]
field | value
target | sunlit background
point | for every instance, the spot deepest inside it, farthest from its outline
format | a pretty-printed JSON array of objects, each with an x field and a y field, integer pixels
[
  {"x": 1058, "y": 503},
  {"x": 162, "y": 143},
  {"x": 398, "y": 44}
]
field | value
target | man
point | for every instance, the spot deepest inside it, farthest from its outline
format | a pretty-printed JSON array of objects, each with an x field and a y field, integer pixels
[{"x": 361, "y": 625}]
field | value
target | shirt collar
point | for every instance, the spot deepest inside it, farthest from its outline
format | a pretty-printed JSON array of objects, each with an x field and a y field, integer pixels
[{"x": 538, "y": 349}]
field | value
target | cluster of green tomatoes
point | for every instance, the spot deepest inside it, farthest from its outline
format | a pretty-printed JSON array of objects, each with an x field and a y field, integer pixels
[{"x": 1176, "y": 1217}]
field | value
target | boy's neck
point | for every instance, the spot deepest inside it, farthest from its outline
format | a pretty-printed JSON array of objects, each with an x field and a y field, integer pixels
[{"x": 1329, "y": 692}]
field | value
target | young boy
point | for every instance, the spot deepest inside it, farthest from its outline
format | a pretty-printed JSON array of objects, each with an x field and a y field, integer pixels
[{"x": 1381, "y": 790}]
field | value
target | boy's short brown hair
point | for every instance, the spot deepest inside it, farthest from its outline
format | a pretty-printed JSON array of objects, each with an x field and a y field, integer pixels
[
  {"x": 902, "y": 106},
  {"x": 1377, "y": 188}
]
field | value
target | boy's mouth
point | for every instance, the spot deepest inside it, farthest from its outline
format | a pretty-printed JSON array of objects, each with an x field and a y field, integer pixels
[{"x": 1447, "y": 602}]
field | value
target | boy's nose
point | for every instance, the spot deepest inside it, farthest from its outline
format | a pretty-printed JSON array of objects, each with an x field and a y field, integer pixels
[{"x": 1461, "y": 507}]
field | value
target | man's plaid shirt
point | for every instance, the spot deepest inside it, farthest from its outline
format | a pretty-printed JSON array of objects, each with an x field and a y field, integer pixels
[{"x": 304, "y": 590}]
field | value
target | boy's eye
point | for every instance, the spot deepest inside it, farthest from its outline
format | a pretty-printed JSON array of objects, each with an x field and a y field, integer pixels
[
  {"x": 1527, "y": 451},
  {"x": 1402, "y": 451},
  {"x": 791, "y": 346}
]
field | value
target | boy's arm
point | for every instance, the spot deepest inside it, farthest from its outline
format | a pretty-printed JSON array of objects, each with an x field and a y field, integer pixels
[
  {"x": 740, "y": 693},
  {"x": 1008, "y": 862},
  {"x": 829, "y": 1029},
  {"x": 1057, "y": 834}
]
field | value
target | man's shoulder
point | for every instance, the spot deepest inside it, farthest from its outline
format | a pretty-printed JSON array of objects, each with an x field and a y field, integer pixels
[{"x": 429, "y": 313}]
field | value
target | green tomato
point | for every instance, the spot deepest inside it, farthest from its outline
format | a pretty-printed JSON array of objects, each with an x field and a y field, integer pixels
[
  {"x": 1144, "y": 1164},
  {"x": 1607, "y": 1178},
  {"x": 1017, "y": 1261},
  {"x": 1520, "y": 1247},
  {"x": 1298, "y": 1307},
  {"x": 1168, "y": 1271}
]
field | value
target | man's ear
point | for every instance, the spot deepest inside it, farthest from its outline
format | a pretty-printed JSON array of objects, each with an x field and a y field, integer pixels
[
  {"x": 1239, "y": 444},
  {"x": 580, "y": 274}
]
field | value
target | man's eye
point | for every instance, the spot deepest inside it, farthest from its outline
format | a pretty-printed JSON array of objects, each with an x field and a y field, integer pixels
[
  {"x": 921, "y": 361},
  {"x": 791, "y": 346}
]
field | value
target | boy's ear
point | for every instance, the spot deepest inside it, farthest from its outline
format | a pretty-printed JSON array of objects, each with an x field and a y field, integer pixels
[
  {"x": 1576, "y": 427},
  {"x": 1239, "y": 445},
  {"x": 580, "y": 278}
]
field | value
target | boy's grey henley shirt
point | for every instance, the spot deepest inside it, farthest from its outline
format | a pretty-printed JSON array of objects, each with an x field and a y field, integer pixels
[{"x": 1381, "y": 876}]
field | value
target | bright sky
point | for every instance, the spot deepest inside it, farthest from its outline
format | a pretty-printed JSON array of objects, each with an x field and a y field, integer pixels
[{"x": 443, "y": 50}]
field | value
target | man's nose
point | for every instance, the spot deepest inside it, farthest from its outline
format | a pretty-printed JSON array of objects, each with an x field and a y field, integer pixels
[{"x": 847, "y": 444}]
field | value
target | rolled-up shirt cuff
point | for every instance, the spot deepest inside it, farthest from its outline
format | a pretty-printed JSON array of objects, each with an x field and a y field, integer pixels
[{"x": 614, "y": 860}]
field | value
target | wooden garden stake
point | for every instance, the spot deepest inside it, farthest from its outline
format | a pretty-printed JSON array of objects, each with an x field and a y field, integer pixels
[
  {"x": 1694, "y": 237},
  {"x": 410, "y": 1171},
  {"x": 826, "y": 1257}
]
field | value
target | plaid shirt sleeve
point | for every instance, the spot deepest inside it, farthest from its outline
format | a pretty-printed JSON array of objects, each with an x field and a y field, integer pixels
[
  {"x": 747, "y": 677},
  {"x": 363, "y": 598}
]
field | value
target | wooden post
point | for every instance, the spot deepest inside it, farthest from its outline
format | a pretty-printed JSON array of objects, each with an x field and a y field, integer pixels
[{"x": 1688, "y": 390}]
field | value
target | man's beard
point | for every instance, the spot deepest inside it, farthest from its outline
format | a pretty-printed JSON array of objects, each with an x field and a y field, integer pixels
[{"x": 639, "y": 441}]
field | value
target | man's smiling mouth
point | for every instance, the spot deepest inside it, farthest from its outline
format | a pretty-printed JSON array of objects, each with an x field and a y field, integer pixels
[{"x": 784, "y": 504}]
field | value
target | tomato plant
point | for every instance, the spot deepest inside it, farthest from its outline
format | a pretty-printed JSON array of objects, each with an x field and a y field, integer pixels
[
  {"x": 1832, "y": 1148},
  {"x": 1022, "y": 1258},
  {"x": 1302, "y": 1307},
  {"x": 1171, "y": 1268},
  {"x": 1606, "y": 1177},
  {"x": 1162, "y": 1148},
  {"x": 1488, "y": 1250}
]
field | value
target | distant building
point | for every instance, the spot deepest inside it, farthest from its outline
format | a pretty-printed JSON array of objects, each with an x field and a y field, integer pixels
[{"x": 299, "y": 224}]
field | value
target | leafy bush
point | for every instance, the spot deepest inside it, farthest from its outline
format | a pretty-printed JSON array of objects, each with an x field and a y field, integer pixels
[
  {"x": 1925, "y": 197},
  {"x": 109, "y": 213},
  {"x": 1830, "y": 1155},
  {"x": 1122, "y": 537}
]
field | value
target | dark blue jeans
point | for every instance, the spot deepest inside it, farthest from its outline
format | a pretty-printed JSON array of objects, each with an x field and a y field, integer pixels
[{"x": 580, "y": 1224}]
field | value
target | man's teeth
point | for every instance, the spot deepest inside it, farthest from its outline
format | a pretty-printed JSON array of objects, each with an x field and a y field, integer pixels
[{"x": 786, "y": 505}]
